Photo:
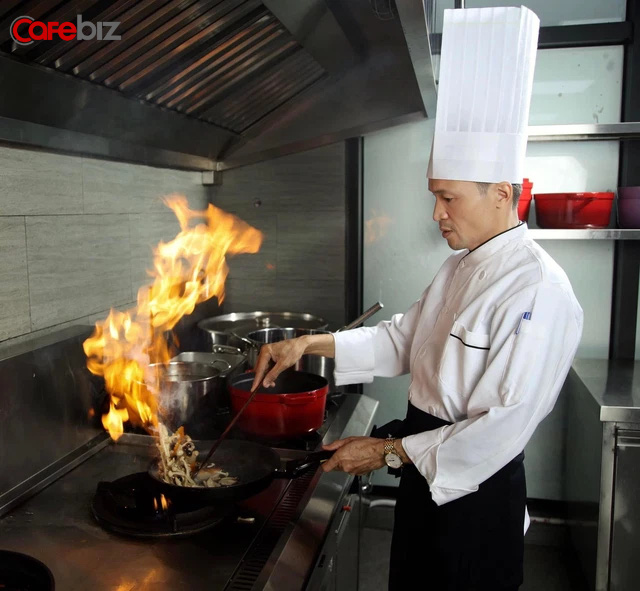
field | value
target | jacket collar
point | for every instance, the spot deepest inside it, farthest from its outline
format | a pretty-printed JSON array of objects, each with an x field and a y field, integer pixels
[{"x": 495, "y": 244}]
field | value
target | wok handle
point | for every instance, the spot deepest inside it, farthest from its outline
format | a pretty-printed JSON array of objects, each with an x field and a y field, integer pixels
[{"x": 297, "y": 467}]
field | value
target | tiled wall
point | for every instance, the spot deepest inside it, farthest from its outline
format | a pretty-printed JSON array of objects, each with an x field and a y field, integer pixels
[
  {"x": 298, "y": 201},
  {"x": 76, "y": 236}
]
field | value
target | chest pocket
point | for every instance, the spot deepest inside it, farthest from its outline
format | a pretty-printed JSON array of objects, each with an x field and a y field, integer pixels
[{"x": 464, "y": 359}]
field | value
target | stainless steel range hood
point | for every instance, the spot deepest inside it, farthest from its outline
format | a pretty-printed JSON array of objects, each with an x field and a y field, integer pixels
[{"x": 210, "y": 84}]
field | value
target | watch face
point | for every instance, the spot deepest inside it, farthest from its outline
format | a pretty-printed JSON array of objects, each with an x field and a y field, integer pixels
[{"x": 393, "y": 460}]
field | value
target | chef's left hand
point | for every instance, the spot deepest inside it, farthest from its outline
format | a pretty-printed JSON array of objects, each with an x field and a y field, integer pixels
[{"x": 355, "y": 455}]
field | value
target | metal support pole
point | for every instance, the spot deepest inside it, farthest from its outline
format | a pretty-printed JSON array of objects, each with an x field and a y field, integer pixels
[{"x": 626, "y": 269}]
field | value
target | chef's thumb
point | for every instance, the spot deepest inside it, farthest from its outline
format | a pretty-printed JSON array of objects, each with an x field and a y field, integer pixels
[{"x": 270, "y": 379}]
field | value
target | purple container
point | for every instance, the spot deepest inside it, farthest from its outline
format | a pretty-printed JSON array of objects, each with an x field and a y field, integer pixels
[{"x": 629, "y": 207}]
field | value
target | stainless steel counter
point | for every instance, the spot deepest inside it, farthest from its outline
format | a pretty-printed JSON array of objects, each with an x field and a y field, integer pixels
[
  {"x": 614, "y": 385},
  {"x": 56, "y": 527},
  {"x": 615, "y": 388}
]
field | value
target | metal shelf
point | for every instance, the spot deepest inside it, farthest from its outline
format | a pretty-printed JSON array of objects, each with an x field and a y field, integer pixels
[
  {"x": 587, "y": 131},
  {"x": 606, "y": 234}
]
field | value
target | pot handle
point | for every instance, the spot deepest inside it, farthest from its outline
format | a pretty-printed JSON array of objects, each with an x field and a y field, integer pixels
[
  {"x": 226, "y": 363},
  {"x": 295, "y": 468},
  {"x": 296, "y": 399}
]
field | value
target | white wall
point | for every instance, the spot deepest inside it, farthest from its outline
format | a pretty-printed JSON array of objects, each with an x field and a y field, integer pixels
[{"x": 403, "y": 248}]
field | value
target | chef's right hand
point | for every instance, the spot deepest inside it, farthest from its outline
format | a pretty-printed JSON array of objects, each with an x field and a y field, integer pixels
[{"x": 283, "y": 355}]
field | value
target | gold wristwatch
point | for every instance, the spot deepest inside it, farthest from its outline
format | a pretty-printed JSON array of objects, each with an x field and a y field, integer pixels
[{"x": 391, "y": 457}]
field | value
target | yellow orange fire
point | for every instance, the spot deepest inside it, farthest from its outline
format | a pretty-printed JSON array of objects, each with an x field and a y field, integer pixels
[{"x": 188, "y": 270}]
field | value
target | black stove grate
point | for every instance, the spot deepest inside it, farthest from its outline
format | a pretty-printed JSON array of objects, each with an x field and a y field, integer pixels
[{"x": 133, "y": 506}]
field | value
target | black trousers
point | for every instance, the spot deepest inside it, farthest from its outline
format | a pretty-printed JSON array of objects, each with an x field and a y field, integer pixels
[{"x": 475, "y": 543}]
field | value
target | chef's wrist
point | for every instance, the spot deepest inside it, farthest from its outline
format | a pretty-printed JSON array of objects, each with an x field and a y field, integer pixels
[
  {"x": 397, "y": 445},
  {"x": 319, "y": 344}
]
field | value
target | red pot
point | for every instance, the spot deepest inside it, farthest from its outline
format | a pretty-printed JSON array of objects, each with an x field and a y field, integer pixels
[
  {"x": 573, "y": 210},
  {"x": 293, "y": 407},
  {"x": 524, "y": 203}
]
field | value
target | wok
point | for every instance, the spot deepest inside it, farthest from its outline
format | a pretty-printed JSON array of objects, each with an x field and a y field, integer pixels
[
  {"x": 254, "y": 465},
  {"x": 22, "y": 572}
]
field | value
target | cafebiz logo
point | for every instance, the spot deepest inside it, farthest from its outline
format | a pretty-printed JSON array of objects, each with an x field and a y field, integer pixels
[{"x": 25, "y": 30}]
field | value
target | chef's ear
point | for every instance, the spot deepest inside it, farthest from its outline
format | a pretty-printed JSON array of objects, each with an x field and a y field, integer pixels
[{"x": 504, "y": 194}]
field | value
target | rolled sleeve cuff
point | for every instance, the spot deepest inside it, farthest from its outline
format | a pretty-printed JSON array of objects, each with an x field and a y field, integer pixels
[
  {"x": 422, "y": 448},
  {"x": 354, "y": 356}
]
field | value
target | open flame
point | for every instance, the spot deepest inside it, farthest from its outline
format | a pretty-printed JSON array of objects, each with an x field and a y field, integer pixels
[
  {"x": 188, "y": 270},
  {"x": 162, "y": 505}
]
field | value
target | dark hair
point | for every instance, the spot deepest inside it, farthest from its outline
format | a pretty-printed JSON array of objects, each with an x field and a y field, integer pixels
[{"x": 517, "y": 191}]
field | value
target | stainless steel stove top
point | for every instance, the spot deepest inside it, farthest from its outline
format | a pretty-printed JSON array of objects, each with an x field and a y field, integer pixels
[{"x": 271, "y": 539}]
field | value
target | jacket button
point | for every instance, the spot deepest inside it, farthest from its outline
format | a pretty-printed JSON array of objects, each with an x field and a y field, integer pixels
[{"x": 482, "y": 274}]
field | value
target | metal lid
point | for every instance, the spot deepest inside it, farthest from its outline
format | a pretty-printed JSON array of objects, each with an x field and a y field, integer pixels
[{"x": 242, "y": 323}]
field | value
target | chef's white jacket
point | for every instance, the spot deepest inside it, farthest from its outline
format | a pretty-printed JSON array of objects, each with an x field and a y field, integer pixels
[{"x": 488, "y": 346}]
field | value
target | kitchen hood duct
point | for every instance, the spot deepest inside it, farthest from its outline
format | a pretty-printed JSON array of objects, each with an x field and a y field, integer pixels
[{"x": 210, "y": 84}]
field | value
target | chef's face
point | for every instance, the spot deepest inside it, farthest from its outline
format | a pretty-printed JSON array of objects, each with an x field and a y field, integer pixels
[{"x": 468, "y": 217}]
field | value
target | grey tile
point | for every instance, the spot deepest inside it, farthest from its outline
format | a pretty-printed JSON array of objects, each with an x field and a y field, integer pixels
[
  {"x": 14, "y": 286},
  {"x": 34, "y": 183},
  {"x": 260, "y": 265},
  {"x": 9, "y": 346},
  {"x": 311, "y": 246},
  {"x": 146, "y": 231},
  {"x": 243, "y": 187},
  {"x": 317, "y": 297},
  {"x": 186, "y": 183},
  {"x": 320, "y": 298},
  {"x": 116, "y": 187},
  {"x": 78, "y": 265},
  {"x": 312, "y": 180},
  {"x": 250, "y": 295}
]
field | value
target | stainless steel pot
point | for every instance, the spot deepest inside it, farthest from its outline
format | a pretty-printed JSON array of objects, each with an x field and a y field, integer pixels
[
  {"x": 315, "y": 364},
  {"x": 242, "y": 323},
  {"x": 229, "y": 360},
  {"x": 185, "y": 389},
  {"x": 217, "y": 340}
]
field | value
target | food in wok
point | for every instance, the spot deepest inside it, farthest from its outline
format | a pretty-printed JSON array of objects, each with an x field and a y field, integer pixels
[{"x": 178, "y": 461}]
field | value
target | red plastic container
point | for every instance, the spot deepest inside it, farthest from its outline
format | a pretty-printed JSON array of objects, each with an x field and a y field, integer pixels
[
  {"x": 573, "y": 210},
  {"x": 524, "y": 203},
  {"x": 629, "y": 207},
  {"x": 293, "y": 407}
]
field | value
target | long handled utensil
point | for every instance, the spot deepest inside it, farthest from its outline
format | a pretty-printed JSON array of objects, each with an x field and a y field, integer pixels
[
  {"x": 360, "y": 319},
  {"x": 225, "y": 432}
]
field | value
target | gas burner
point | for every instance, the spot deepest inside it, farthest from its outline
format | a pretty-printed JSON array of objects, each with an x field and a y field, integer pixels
[{"x": 134, "y": 506}]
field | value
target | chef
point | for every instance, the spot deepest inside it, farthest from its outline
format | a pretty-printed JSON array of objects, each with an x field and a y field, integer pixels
[{"x": 488, "y": 344}]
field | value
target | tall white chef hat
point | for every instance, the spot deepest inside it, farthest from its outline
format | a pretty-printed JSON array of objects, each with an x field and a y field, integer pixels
[{"x": 486, "y": 76}]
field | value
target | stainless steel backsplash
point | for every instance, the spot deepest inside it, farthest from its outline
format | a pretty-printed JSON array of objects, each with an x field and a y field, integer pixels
[{"x": 49, "y": 404}]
